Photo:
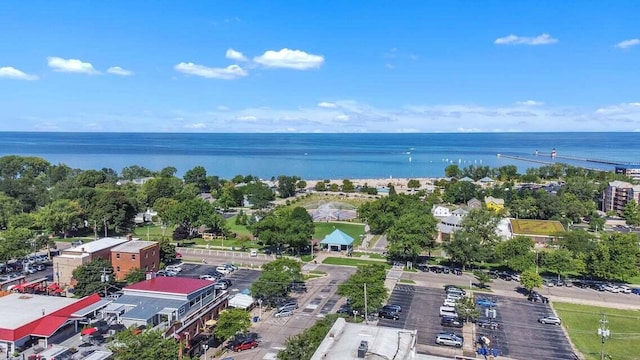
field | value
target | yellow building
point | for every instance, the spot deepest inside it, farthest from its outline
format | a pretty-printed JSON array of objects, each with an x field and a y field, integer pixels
[{"x": 494, "y": 204}]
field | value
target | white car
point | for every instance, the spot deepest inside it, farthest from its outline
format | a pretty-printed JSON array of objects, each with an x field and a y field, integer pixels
[
  {"x": 449, "y": 302},
  {"x": 611, "y": 288},
  {"x": 222, "y": 270},
  {"x": 624, "y": 289},
  {"x": 208, "y": 277},
  {"x": 550, "y": 320},
  {"x": 174, "y": 268}
]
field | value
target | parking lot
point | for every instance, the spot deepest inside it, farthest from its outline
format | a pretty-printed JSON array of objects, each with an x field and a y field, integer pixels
[
  {"x": 520, "y": 335},
  {"x": 241, "y": 279}
]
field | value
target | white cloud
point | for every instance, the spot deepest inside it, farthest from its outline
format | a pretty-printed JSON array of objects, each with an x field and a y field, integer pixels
[
  {"x": 228, "y": 73},
  {"x": 543, "y": 39},
  {"x": 223, "y": 108},
  {"x": 117, "y": 70},
  {"x": 196, "y": 126},
  {"x": 235, "y": 55},
  {"x": 620, "y": 109},
  {"x": 327, "y": 105},
  {"x": 628, "y": 43},
  {"x": 342, "y": 117},
  {"x": 249, "y": 118},
  {"x": 13, "y": 73},
  {"x": 529, "y": 103},
  {"x": 290, "y": 59},
  {"x": 71, "y": 65}
]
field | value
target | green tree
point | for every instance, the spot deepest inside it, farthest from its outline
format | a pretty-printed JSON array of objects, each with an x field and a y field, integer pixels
[
  {"x": 453, "y": 171},
  {"x": 459, "y": 192},
  {"x": 258, "y": 194},
  {"x": 167, "y": 251},
  {"x": 287, "y": 185},
  {"x": 59, "y": 216},
  {"x": 14, "y": 243},
  {"x": 135, "y": 172},
  {"x": 320, "y": 186},
  {"x": 530, "y": 280},
  {"x": 614, "y": 258},
  {"x": 464, "y": 248},
  {"x": 483, "y": 278},
  {"x": 413, "y": 184},
  {"x": 347, "y": 186},
  {"x": 302, "y": 346},
  {"x": 373, "y": 275},
  {"x": 516, "y": 253},
  {"x": 134, "y": 275},
  {"x": 410, "y": 235},
  {"x": 596, "y": 222},
  {"x": 466, "y": 308},
  {"x": 149, "y": 344},
  {"x": 114, "y": 209},
  {"x": 197, "y": 176},
  {"x": 90, "y": 277},
  {"x": 559, "y": 261},
  {"x": 190, "y": 214},
  {"x": 230, "y": 322},
  {"x": 275, "y": 278},
  {"x": 631, "y": 213},
  {"x": 8, "y": 208},
  {"x": 578, "y": 242}
]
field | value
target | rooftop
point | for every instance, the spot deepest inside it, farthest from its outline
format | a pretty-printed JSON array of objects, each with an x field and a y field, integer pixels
[
  {"x": 337, "y": 237},
  {"x": 343, "y": 340},
  {"x": 536, "y": 227},
  {"x": 134, "y": 246},
  {"x": 30, "y": 308},
  {"x": 145, "y": 307},
  {"x": 169, "y": 285},
  {"x": 97, "y": 245}
]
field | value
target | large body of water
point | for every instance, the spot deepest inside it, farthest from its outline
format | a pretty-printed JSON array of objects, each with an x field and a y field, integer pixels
[{"x": 316, "y": 156}]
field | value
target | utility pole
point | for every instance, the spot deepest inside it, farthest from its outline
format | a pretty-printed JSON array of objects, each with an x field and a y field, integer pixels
[
  {"x": 366, "y": 311},
  {"x": 604, "y": 333},
  {"x": 104, "y": 278}
]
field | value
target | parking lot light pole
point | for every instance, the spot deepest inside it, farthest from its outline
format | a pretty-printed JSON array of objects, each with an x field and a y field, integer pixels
[{"x": 604, "y": 333}]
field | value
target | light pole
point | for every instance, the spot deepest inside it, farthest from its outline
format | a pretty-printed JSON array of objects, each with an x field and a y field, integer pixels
[
  {"x": 260, "y": 305},
  {"x": 104, "y": 221},
  {"x": 206, "y": 348},
  {"x": 537, "y": 272},
  {"x": 104, "y": 278}
]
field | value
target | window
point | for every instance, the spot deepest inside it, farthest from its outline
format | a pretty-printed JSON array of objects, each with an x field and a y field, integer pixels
[
  {"x": 133, "y": 256},
  {"x": 146, "y": 255},
  {"x": 146, "y": 268},
  {"x": 153, "y": 253},
  {"x": 117, "y": 255},
  {"x": 118, "y": 268}
]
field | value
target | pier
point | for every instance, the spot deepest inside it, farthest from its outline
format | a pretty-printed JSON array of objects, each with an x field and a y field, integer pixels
[
  {"x": 513, "y": 157},
  {"x": 598, "y": 161}
]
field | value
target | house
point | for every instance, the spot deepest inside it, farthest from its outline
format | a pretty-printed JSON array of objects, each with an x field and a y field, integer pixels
[
  {"x": 632, "y": 171},
  {"x": 179, "y": 307},
  {"x": 440, "y": 211},
  {"x": 135, "y": 254},
  {"x": 474, "y": 204},
  {"x": 460, "y": 212},
  {"x": 494, "y": 204},
  {"x": 467, "y": 179},
  {"x": 41, "y": 318},
  {"x": 69, "y": 259},
  {"x": 448, "y": 226},
  {"x": 618, "y": 194},
  {"x": 486, "y": 181}
]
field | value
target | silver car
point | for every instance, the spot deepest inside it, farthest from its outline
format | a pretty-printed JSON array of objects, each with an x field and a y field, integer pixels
[
  {"x": 449, "y": 339},
  {"x": 284, "y": 312}
]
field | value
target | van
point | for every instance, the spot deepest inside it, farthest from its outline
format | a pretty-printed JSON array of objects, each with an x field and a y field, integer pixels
[{"x": 448, "y": 311}]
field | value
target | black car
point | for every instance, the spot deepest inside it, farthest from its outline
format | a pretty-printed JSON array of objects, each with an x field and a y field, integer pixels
[
  {"x": 392, "y": 307},
  {"x": 216, "y": 274},
  {"x": 386, "y": 314},
  {"x": 451, "y": 322},
  {"x": 298, "y": 286},
  {"x": 345, "y": 309}
]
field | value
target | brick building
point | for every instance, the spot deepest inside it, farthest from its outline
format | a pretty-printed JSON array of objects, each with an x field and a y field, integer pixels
[{"x": 143, "y": 255}]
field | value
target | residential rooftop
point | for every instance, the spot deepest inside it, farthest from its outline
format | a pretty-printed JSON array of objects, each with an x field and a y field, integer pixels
[{"x": 133, "y": 246}]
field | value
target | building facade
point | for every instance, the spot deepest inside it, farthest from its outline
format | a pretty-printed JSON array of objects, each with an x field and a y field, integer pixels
[
  {"x": 630, "y": 171},
  {"x": 136, "y": 254},
  {"x": 618, "y": 194}
]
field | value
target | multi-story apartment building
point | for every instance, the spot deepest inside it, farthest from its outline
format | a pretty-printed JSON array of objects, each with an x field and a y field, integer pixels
[{"x": 618, "y": 194}]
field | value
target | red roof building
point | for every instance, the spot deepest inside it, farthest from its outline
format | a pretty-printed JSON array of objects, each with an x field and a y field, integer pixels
[
  {"x": 169, "y": 285},
  {"x": 25, "y": 316}
]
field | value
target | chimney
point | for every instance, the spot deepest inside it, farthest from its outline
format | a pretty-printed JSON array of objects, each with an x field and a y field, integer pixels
[{"x": 129, "y": 237}]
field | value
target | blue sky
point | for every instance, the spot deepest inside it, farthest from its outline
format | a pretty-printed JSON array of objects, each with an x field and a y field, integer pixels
[{"x": 319, "y": 66}]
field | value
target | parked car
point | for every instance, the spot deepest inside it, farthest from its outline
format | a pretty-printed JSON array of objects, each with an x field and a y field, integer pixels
[
  {"x": 624, "y": 289},
  {"x": 166, "y": 273},
  {"x": 611, "y": 288},
  {"x": 230, "y": 267},
  {"x": 449, "y": 302},
  {"x": 284, "y": 312},
  {"x": 448, "y": 311},
  {"x": 222, "y": 270},
  {"x": 174, "y": 268},
  {"x": 208, "y": 277},
  {"x": 455, "y": 297},
  {"x": 289, "y": 304},
  {"x": 485, "y": 302},
  {"x": 535, "y": 297},
  {"x": 392, "y": 307},
  {"x": 244, "y": 345},
  {"x": 449, "y": 339},
  {"x": 386, "y": 314},
  {"x": 345, "y": 309},
  {"x": 488, "y": 324},
  {"x": 554, "y": 320},
  {"x": 451, "y": 322},
  {"x": 40, "y": 267},
  {"x": 635, "y": 291},
  {"x": 216, "y": 274}
]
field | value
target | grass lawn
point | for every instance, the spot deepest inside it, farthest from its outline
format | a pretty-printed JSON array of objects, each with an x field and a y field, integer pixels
[
  {"x": 155, "y": 231},
  {"x": 582, "y": 322},
  {"x": 406, "y": 281},
  {"x": 241, "y": 230},
  {"x": 315, "y": 198},
  {"x": 374, "y": 240},
  {"x": 369, "y": 255},
  {"x": 634, "y": 280},
  {"x": 352, "y": 262},
  {"x": 325, "y": 228}
]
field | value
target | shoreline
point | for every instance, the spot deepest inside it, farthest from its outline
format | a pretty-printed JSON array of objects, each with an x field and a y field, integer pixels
[{"x": 398, "y": 183}]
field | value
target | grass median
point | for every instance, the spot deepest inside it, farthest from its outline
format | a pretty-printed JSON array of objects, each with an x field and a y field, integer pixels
[
  {"x": 352, "y": 261},
  {"x": 582, "y": 323}
]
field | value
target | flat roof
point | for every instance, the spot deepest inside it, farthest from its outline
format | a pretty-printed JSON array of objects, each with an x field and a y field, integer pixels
[
  {"x": 344, "y": 338},
  {"x": 134, "y": 246},
  {"x": 72, "y": 256},
  {"x": 17, "y": 310},
  {"x": 169, "y": 285},
  {"x": 97, "y": 245},
  {"x": 146, "y": 307}
]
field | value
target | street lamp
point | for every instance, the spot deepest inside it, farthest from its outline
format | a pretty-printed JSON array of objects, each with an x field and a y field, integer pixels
[{"x": 260, "y": 305}]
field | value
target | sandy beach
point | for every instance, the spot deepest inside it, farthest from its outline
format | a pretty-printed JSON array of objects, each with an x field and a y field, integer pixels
[{"x": 398, "y": 183}]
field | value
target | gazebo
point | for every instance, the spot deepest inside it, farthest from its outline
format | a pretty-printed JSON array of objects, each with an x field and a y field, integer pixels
[{"x": 338, "y": 241}]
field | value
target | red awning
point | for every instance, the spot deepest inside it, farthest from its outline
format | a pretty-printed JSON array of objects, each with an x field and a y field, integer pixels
[{"x": 89, "y": 331}]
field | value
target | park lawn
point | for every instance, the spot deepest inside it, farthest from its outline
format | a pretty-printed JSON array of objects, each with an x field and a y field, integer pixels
[
  {"x": 634, "y": 280},
  {"x": 241, "y": 230},
  {"x": 316, "y": 197},
  {"x": 323, "y": 229},
  {"x": 582, "y": 322},
  {"x": 368, "y": 255},
  {"x": 352, "y": 262},
  {"x": 155, "y": 231}
]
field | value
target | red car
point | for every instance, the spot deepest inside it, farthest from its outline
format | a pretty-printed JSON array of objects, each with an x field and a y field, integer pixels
[{"x": 245, "y": 345}]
